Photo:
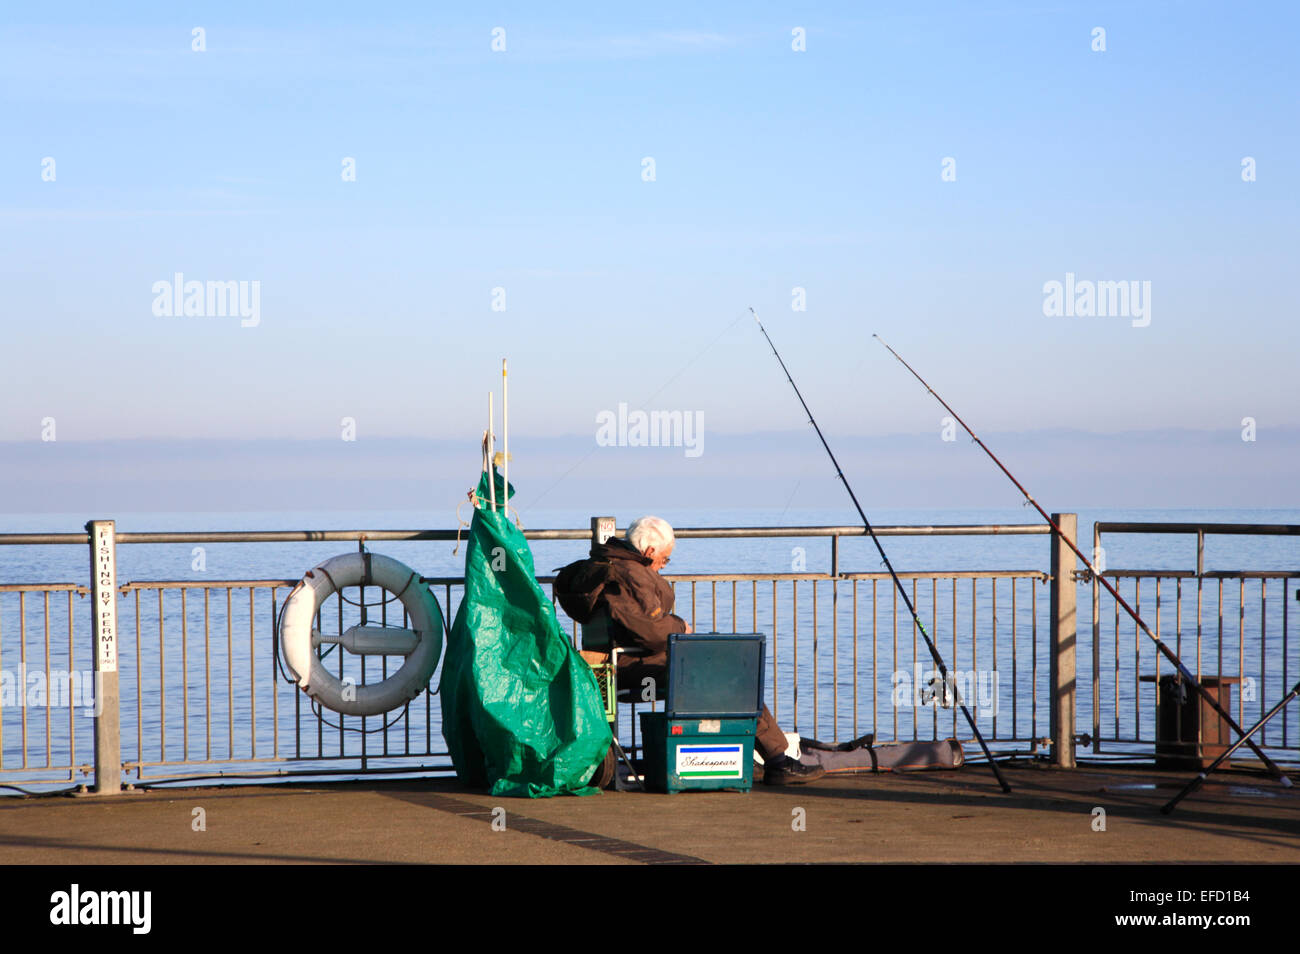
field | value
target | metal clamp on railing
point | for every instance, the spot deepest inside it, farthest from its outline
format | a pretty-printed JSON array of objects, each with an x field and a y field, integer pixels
[{"x": 1082, "y": 576}]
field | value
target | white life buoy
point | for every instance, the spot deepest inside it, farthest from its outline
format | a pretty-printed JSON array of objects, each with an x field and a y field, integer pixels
[{"x": 421, "y": 644}]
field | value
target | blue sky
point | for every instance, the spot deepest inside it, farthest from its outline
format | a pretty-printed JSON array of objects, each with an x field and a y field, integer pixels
[{"x": 522, "y": 170}]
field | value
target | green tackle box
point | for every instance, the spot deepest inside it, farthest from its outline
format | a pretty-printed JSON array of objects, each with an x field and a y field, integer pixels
[
  {"x": 697, "y": 754},
  {"x": 704, "y": 738}
]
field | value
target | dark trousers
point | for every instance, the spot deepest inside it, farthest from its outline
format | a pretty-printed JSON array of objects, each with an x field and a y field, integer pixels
[{"x": 768, "y": 739}]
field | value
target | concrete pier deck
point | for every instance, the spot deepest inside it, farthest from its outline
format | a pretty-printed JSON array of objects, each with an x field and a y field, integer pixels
[{"x": 950, "y": 816}]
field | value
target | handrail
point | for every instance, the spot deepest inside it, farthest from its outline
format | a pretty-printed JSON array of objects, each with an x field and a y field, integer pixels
[{"x": 312, "y": 536}]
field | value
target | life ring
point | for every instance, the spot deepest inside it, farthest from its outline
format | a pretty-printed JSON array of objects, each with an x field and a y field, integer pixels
[{"x": 421, "y": 644}]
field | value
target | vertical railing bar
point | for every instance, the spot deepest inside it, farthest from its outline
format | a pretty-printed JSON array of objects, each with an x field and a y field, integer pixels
[
  {"x": 1033, "y": 666},
  {"x": 297, "y": 719},
  {"x": 856, "y": 734},
  {"x": 185, "y": 677},
  {"x": 835, "y": 658},
  {"x": 230, "y": 674},
  {"x": 1137, "y": 661},
  {"x": 428, "y": 701},
  {"x": 1178, "y": 616},
  {"x": 162, "y": 684},
  {"x": 207, "y": 672},
  {"x": 974, "y": 631},
  {"x": 893, "y": 659},
  {"x": 794, "y": 642},
  {"x": 713, "y": 596},
  {"x": 275, "y": 687},
  {"x": 955, "y": 661},
  {"x": 875, "y": 676},
  {"x": 45, "y": 608},
  {"x": 994, "y": 581},
  {"x": 338, "y": 652},
  {"x": 1263, "y": 652},
  {"x": 1015, "y": 667},
  {"x": 1241, "y": 647},
  {"x": 1219, "y": 670},
  {"x": 406, "y": 719},
  {"x": 22, "y": 668},
  {"x": 916, "y": 716},
  {"x": 816, "y": 650},
  {"x": 775, "y": 670},
  {"x": 252, "y": 675},
  {"x": 1286, "y": 588},
  {"x": 320, "y": 725},
  {"x": 361, "y": 600},
  {"x": 1199, "y": 588},
  {"x": 139, "y": 693},
  {"x": 72, "y": 728},
  {"x": 934, "y": 632},
  {"x": 383, "y": 660},
  {"x": 1118, "y": 583},
  {"x": 1178, "y": 711},
  {"x": 1096, "y": 643}
]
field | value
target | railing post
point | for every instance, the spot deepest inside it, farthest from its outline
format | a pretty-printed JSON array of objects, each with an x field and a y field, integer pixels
[
  {"x": 1063, "y": 641},
  {"x": 103, "y": 608},
  {"x": 1099, "y": 563}
]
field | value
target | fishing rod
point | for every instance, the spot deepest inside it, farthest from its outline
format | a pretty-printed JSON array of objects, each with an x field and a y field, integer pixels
[
  {"x": 1168, "y": 653},
  {"x": 934, "y": 652}
]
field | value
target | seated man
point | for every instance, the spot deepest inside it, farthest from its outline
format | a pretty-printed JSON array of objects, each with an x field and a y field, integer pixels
[{"x": 622, "y": 577}]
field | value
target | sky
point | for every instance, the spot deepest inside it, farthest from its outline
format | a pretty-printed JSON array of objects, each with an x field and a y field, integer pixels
[{"x": 599, "y": 193}]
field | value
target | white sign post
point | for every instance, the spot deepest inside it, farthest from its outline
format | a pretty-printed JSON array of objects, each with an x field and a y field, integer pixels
[{"x": 103, "y": 598}]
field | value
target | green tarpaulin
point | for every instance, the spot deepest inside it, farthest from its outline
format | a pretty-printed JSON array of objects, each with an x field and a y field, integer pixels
[{"x": 521, "y": 710}]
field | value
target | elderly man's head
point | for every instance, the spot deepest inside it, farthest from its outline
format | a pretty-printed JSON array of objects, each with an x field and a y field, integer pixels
[{"x": 653, "y": 538}]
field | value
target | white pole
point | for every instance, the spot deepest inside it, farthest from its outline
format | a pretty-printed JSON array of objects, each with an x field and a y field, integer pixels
[
  {"x": 492, "y": 479},
  {"x": 505, "y": 437}
]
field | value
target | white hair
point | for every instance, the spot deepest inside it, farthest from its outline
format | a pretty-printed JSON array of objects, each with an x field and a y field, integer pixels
[{"x": 651, "y": 532}]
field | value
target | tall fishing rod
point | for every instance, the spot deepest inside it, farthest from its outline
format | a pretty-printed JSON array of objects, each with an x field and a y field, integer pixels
[
  {"x": 934, "y": 652},
  {"x": 1168, "y": 653}
]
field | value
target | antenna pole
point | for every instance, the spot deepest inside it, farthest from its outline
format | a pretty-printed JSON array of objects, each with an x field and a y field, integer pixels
[
  {"x": 505, "y": 438},
  {"x": 491, "y": 453}
]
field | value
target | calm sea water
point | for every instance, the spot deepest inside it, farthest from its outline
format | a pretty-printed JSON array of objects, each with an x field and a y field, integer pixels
[{"x": 206, "y": 679}]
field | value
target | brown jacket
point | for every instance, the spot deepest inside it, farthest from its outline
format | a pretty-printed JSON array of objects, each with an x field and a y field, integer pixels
[{"x": 618, "y": 579}]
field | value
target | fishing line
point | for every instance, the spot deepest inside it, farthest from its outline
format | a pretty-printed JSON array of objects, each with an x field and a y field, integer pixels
[{"x": 641, "y": 407}]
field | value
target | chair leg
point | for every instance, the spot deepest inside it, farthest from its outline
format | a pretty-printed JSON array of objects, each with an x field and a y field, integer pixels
[{"x": 632, "y": 773}]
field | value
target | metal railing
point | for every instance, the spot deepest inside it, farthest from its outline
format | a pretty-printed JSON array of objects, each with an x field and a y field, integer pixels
[
  {"x": 1242, "y": 634},
  {"x": 196, "y": 692},
  {"x": 41, "y": 675}
]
